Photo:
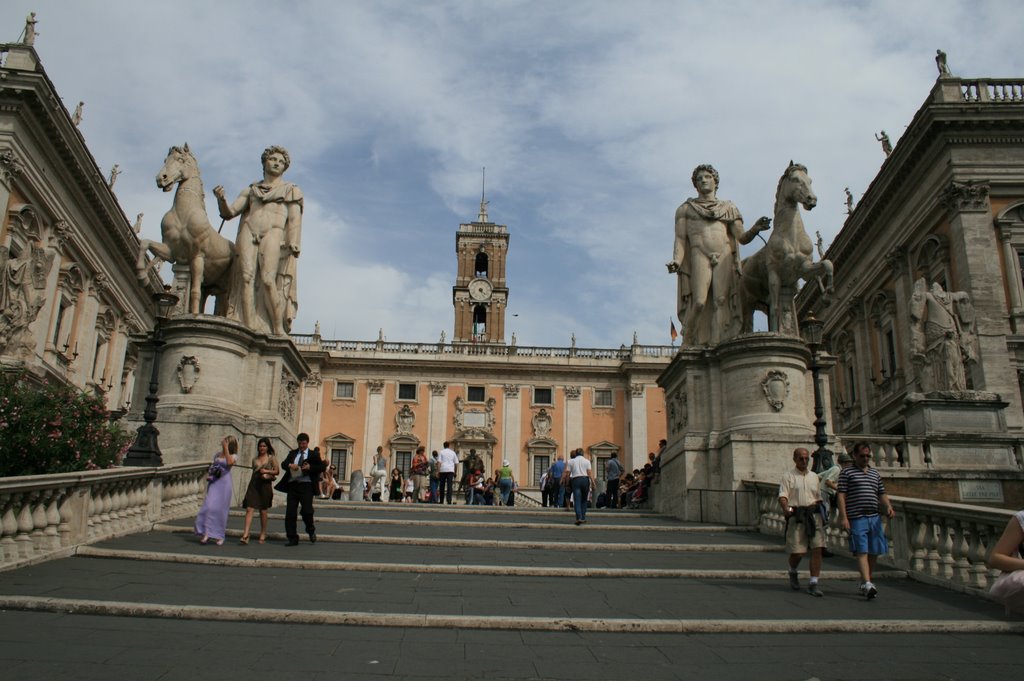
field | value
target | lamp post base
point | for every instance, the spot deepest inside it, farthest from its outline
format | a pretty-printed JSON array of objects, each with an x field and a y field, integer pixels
[{"x": 145, "y": 451}]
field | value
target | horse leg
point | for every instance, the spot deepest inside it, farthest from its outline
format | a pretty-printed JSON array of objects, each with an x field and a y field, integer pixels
[
  {"x": 774, "y": 295},
  {"x": 157, "y": 248},
  {"x": 196, "y": 285}
]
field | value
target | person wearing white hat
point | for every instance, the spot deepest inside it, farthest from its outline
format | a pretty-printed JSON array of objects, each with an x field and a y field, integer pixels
[{"x": 505, "y": 481}]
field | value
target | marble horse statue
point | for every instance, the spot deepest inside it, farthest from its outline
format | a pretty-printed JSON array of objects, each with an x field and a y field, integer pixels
[
  {"x": 770, "y": 276},
  {"x": 188, "y": 236}
]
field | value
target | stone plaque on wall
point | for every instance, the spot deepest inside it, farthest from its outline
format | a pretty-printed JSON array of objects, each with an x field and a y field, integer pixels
[{"x": 981, "y": 490}]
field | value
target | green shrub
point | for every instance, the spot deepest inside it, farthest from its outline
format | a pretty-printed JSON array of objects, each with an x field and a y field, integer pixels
[{"x": 54, "y": 428}]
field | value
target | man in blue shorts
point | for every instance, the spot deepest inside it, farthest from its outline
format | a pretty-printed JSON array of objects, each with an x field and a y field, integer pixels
[{"x": 861, "y": 492}]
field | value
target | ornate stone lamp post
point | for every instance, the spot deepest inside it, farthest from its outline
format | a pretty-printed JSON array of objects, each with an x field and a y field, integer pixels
[
  {"x": 145, "y": 451},
  {"x": 812, "y": 330}
]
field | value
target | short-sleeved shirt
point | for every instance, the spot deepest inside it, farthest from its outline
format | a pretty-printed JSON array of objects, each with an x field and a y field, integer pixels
[
  {"x": 800, "y": 489},
  {"x": 579, "y": 467},
  {"x": 863, "y": 488},
  {"x": 557, "y": 469},
  {"x": 612, "y": 469},
  {"x": 447, "y": 460}
]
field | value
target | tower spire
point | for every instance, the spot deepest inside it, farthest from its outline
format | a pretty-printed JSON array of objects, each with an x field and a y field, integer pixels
[{"x": 482, "y": 217}]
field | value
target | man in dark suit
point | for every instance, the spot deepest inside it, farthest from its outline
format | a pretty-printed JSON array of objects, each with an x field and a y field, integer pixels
[{"x": 302, "y": 469}]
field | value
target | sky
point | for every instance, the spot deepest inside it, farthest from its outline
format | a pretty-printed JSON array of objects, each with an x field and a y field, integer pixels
[{"x": 589, "y": 117}]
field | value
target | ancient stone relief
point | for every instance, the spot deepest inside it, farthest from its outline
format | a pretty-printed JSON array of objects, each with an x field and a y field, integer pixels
[
  {"x": 943, "y": 337},
  {"x": 541, "y": 423},
  {"x": 288, "y": 398},
  {"x": 775, "y": 387},
  {"x": 188, "y": 373},
  {"x": 405, "y": 419}
]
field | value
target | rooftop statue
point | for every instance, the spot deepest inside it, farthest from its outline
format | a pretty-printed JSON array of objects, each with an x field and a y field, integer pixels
[
  {"x": 187, "y": 236},
  {"x": 886, "y": 144},
  {"x": 942, "y": 337},
  {"x": 267, "y": 245},
  {"x": 770, "y": 275},
  {"x": 705, "y": 259},
  {"x": 30, "y": 29},
  {"x": 940, "y": 63}
]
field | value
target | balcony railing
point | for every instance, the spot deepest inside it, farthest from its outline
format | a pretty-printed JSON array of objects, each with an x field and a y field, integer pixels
[{"x": 992, "y": 90}]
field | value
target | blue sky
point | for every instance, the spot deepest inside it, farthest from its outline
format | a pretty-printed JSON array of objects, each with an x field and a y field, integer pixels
[{"x": 589, "y": 116}]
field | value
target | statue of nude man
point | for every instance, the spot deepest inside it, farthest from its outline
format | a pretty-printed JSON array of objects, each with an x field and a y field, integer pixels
[
  {"x": 267, "y": 244},
  {"x": 706, "y": 259}
]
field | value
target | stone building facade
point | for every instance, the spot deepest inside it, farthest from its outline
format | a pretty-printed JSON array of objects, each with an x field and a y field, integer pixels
[
  {"x": 946, "y": 208},
  {"x": 70, "y": 298},
  {"x": 524, "y": 404}
]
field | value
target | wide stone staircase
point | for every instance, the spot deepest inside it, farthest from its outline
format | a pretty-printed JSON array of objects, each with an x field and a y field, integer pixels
[{"x": 416, "y": 591}]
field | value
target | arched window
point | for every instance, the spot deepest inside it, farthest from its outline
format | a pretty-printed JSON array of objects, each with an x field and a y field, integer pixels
[
  {"x": 480, "y": 266},
  {"x": 479, "y": 322}
]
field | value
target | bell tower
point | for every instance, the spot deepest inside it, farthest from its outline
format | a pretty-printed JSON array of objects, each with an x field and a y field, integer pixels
[{"x": 480, "y": 294}]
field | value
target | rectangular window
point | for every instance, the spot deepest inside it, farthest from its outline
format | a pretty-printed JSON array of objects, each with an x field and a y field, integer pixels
[
  {"x": 542, "y": 395},
  {"x": 599, "y": 465},
  {"x": 475, "y": 393},
  {"x": 540, "y": 465},
  {"x": 344, "y": 390},
  {"x": 603, "y": 398},
  {"x": 407, "y": 391},
  {"x": 339, "y": 457},
  {"x": 403, "y": 462}
]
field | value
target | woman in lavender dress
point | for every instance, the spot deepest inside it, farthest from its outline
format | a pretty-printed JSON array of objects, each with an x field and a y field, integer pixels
[{"x": 212, "y": 520}]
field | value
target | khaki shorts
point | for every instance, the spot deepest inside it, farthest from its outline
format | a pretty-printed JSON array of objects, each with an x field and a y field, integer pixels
[{"x": 796, "y": 537}]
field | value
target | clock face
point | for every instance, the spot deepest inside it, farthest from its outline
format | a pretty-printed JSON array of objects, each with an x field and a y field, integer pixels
[{"x": 479, "y": 289}]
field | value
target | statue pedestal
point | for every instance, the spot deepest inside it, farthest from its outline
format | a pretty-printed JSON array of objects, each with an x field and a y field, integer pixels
[
  {"x": 965, "y": 429},
  {"x": 735, "y": 412},
  {"x": 218, "y": 378}
]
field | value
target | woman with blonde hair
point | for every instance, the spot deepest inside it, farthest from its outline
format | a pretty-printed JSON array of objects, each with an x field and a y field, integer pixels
[
  {"x": 260, "y": 493},
  {"x": 212, "y": 520}
]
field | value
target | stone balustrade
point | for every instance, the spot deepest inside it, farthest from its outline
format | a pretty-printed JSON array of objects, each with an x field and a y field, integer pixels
[
  {"x": 314, "y": 342},
  {"x": 46, "y": 516},
  {"x": 935, "y": 542},
  {"x": 914, "y": 451},
  {"x": 992, "y": 90}
]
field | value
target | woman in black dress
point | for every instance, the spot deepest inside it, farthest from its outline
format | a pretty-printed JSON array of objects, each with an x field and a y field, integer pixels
[
  {"x": 395, "y": 490},
  {"x": 260, "y": 493}
]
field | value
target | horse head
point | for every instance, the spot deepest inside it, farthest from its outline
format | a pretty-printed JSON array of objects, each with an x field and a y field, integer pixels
[
  {"x": 180, "y": 165},
  {"x": 795, "y": 186}
]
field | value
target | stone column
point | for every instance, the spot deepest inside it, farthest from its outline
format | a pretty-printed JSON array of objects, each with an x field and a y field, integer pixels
[
  {"x": 438, "y": 414},
  {"x": 974, "y": 248},
  {"x": 636, "y": 438},
  {"x": 510, "y": 434},
  {"x": 573, "y": 418},
  {"x": 374, "y": 421},
  {"x": 1013, "y": 276},
  {"x": 312, "y": 406}
]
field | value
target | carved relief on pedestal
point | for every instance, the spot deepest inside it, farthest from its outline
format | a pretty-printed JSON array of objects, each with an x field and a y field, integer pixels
[
  {"x": 405, "y": 419},
  {"x": 25, "y": 263},
  {"x": 438, "y": 388},
  {"x": 637, "y": 389},
  {"x": 572, "y": 392},
  {"x": 511, "y": 391},
  {"x": 188, "y": 373},
  {"x": 776, "y": 389},
  {"x": 375, "y": 386},
  {"x": 288, "y": 396},
  {"x": 677, "y": 404},
  {"x": 315, "y": 379}
]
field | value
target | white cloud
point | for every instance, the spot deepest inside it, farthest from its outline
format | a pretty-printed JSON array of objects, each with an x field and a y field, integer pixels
[{"x": 588, "y": 115}]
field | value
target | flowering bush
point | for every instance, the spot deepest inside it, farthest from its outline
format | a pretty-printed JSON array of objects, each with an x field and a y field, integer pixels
[{"x": 54, "y": 428}]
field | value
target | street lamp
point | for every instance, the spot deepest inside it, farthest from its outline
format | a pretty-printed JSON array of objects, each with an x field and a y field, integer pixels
[
  {"x": 812, "y": 330},
  {"x": 145, "y": 451}
]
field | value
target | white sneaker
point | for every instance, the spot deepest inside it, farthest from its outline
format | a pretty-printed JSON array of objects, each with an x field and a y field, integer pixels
[{"x": 870, "y": 591}]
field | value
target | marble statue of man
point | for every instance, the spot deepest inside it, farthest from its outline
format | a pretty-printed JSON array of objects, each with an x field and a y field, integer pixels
[
  {"x": 706, "y": 260},
  {"x": 942, "y": 336},
  {"x": 267, "y": 245}
]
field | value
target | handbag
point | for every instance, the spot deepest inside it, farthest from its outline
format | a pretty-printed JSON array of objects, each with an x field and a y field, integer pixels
[{"x": 214, "y": 472}]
